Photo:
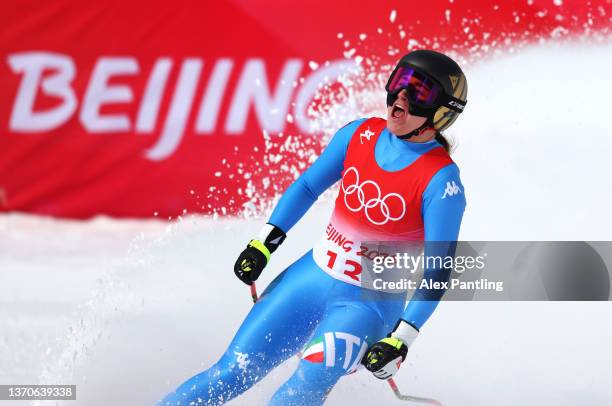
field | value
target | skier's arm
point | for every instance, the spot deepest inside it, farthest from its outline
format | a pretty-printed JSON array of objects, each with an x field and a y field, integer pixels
[
  {"x": 296, "y": 201},
  {"x": 323, "y": 173},
  {"x": 442, "y": 214}
]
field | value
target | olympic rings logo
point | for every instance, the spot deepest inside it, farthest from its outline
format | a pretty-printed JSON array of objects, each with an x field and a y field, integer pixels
[{"x": 377, "y": 202}]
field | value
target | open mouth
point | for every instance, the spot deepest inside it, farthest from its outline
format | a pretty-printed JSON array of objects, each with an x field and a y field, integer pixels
[{"x": 398, "y": 112}]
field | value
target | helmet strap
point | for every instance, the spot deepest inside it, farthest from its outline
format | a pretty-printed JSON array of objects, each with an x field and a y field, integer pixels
[{"x": 418, "y": 131}]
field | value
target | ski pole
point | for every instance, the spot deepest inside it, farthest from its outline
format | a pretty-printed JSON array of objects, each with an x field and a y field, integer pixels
[
  {"x": 390, "y": 381},
  {"x": 417, "y": 399}
]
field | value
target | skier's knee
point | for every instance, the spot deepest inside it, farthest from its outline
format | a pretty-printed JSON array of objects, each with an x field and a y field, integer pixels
[
  {"x": 306, "y": 387},
  {"x": 232, "y": 375},
  {"x": 237, "y": 371},
  {"x": 298, "y": 396}
]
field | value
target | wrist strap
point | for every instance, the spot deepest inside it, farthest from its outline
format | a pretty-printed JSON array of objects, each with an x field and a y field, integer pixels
[
  {"x": 405, "y": 332},
  {"x": 271, "y": 236},
  {"x": 258, "y": 245}
]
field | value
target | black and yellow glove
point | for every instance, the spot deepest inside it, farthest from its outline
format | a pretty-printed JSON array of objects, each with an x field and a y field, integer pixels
[
  {"x": 257, "y": 254},
  {"x": 385, "y": 356}
]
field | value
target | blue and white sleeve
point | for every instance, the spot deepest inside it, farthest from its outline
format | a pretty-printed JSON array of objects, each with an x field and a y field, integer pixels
[
  {"x": 323, "y": 173},
  {"x": 443, "y": 206}
]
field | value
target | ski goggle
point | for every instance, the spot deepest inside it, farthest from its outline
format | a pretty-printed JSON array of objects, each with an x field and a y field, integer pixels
[{"x": 421, "y": 89}]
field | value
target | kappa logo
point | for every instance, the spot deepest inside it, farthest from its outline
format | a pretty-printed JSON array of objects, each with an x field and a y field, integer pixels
[
  {"x": 451, "y": 189},
  {"x": 323, "y": 350},
  {"x": 367, "y": 134},
  {"x": 378, "y": 209}
]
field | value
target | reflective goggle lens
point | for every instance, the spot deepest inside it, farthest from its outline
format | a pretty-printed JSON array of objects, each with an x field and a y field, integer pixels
[{"x": 421, "y": 89}]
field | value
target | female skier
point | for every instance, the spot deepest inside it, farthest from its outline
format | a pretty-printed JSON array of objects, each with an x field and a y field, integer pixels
[{"x": 398, "y": 183}]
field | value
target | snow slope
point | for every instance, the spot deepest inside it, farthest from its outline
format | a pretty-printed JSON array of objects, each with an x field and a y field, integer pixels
[{"x": 127, "y": 310}]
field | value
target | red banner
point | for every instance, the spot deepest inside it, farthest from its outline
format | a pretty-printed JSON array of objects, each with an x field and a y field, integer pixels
[{"x": 154, "y": 108}]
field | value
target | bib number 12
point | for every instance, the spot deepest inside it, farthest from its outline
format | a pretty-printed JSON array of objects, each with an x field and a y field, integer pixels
[{"x": 352, "y": 269}]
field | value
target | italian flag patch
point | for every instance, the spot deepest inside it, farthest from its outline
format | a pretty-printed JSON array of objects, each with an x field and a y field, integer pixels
[{"x": 314, "y": 351}]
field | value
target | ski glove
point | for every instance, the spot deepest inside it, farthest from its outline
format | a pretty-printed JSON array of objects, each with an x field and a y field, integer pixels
[
  {"x": 384, "y": 357},
  {"x": 257, "y": 254}
]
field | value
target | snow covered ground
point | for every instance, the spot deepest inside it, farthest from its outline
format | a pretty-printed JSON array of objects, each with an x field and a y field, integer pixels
[{"x": 127, "y": 310}]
